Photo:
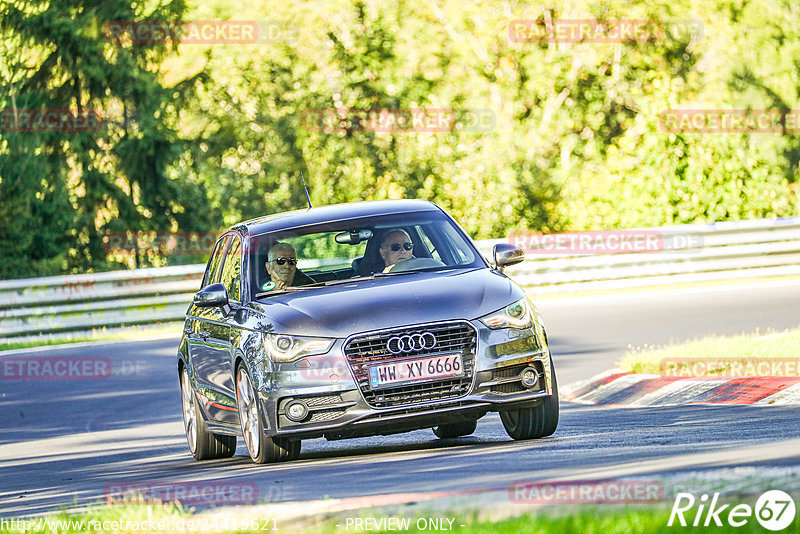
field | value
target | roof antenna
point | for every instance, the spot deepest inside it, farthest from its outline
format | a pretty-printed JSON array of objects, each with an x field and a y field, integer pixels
[{"x": 306, "y": 188}]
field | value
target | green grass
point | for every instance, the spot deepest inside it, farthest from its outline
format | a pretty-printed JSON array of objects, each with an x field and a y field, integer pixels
[
  {"x": 721, "y": 356},
  {"x": 98, "y": 334},
  {"x": 584, "y": 520}
]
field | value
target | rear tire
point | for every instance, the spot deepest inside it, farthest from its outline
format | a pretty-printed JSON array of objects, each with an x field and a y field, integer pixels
[
  {"x": 537, "y": 421},
  {"x": 202, "y": 444},
  {"x": 262, "y": 448},
  {"x": 455, "y": 430}
]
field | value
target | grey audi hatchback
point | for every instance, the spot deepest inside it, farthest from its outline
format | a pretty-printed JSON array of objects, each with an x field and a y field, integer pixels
[{"x": 353, "y": 320}]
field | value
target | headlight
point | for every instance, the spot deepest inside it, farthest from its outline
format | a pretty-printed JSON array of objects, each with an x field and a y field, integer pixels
[
  {"x": 282, "y": 348},
  {"x": 539, "y": 326},
  {"x": 517, "y": 315}
]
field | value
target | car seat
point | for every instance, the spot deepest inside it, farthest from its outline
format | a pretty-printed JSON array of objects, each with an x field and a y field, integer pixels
[{"x": 371, "y": 262}]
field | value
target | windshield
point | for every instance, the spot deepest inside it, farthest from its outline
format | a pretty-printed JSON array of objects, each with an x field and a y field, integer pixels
[{"x": 355, "y": 249}]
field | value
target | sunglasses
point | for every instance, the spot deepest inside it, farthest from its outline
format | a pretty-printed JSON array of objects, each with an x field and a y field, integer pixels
[
  {"x": 281, "y": 261},
  {"x": 397, "y": 246}
]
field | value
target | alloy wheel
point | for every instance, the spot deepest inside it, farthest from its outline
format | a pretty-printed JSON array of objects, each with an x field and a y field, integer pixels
[
  {"x": 189, "y": 411},
  {"x": 248, "y": 412}
]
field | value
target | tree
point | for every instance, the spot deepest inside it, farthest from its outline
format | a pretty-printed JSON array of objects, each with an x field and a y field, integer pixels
[{"x": 109, "y": 171}]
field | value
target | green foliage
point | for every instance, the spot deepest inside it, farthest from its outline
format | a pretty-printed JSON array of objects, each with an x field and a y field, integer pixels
[
  {"x": 649, "y": 176},
  {"x": 65, "y": 189},
  {"x": 35, "y": 211},
  {"x": 576, "y": 142},
  {"x": 202, "y": 136}
]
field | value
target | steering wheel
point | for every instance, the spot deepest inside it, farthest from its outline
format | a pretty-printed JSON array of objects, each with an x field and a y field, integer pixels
[{"x": 416, "y": 263}]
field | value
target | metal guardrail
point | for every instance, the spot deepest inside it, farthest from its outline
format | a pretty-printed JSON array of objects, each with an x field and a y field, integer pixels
[
  {"x": 59, "y": 305},
  {"x": 690, "y": 253}
]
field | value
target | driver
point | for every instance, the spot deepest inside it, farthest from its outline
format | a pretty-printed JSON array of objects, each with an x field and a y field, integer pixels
[
  {"x": 396, "y": 247},
  {"x": 282, "y": 268}
]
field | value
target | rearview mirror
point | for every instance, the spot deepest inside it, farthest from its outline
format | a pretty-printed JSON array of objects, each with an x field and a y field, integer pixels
[{"x": 353, "y": 237}]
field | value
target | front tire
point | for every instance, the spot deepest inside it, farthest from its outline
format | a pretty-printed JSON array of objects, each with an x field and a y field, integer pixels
[
  {"x": 536, "y": 421},
  {"x": 455, "y": 430},
  {"x": 262, "y": 448},
  {"x": 202, "y": 444}
]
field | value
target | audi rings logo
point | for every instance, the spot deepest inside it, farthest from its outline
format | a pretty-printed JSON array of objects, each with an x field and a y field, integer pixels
[{"x": 411, "y": 343}]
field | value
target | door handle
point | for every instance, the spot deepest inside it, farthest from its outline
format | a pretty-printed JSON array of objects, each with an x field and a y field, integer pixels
[{"x": 205, "y": 334}]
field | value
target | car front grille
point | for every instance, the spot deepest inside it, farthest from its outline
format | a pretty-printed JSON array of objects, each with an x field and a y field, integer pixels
[{"x": 371, "y": 349}]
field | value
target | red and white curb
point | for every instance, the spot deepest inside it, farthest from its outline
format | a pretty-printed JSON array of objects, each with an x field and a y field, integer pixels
[{"x": 620, "y": 387}]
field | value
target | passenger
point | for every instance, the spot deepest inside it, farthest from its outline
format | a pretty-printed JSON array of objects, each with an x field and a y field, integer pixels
[
  {"x": 282, "y": 268},
  {"x": 396, "y": 247}
]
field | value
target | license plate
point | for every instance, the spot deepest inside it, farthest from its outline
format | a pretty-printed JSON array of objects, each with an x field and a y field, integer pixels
[{"x": 444, "y": 366}]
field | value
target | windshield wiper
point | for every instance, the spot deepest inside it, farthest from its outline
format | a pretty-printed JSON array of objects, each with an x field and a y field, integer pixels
[{"x": 383, "y": 275}]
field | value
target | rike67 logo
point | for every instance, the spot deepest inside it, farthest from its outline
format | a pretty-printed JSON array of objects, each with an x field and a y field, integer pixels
[{"x": 774, "y": 510}]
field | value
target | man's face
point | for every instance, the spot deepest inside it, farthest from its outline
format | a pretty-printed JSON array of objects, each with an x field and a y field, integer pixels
[
  {"x": 282, "y": 273},
  {"x": 399, "y": 241}
]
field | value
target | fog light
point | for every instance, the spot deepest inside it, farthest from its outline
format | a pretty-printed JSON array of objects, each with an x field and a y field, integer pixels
[
  {"x": 297, "y": 411},
  {"x": 529, "y": 377}
]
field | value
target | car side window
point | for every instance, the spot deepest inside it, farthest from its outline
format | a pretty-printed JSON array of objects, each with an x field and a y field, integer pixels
[
  {"x": 215, "y": 262},
  {"x": 231, "y": 270}
]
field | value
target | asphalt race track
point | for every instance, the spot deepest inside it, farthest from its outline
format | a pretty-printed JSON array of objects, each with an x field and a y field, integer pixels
[{"x": 70, "y": 442}]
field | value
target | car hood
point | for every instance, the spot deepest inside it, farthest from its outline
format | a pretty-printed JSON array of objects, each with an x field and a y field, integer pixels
[{"x": 341, "y": 310}]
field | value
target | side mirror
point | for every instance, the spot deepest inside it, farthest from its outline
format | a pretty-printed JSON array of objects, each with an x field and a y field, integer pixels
[
  {"x": 211, "y": 296},
  {"x": 506, "y": 254}
]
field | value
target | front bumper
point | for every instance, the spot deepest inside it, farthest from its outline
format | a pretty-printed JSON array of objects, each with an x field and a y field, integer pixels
[{"x": 341, "y": 407}]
